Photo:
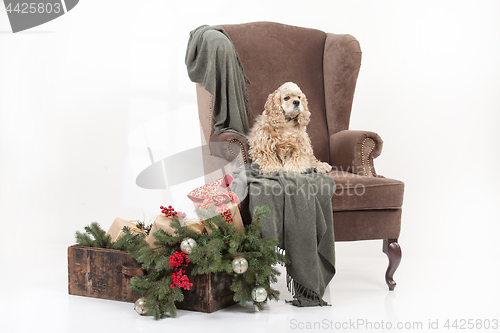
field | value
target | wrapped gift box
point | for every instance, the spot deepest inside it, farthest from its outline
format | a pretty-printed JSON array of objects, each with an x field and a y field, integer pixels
[
  {"x": 161, "y": 222},
  {"x": 115, "y": 231},
  {"x": 196, "y": 225},
  {"x": 226, "y": 203},
  {"x": 105, "y": 273}
]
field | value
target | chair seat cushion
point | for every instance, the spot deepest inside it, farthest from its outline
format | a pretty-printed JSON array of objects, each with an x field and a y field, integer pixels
[{"x": 355, "y": 192}]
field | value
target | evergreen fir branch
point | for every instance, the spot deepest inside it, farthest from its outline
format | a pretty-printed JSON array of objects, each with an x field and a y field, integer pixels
[
  {"x": 163, "y": 291},
  {"x": 95, "y": 237},
  {"x": 163, "y": 238},
  {"x": 227, "y": 265},
  {"x": 273, "y": 294},
  {"x": 102, "y": 239},
  {"x": 260, "y": 306},
  {"x": 163, "y": 263},
  {"x": 207, "y": 258},
  {"x": 189, "y": 233},
  {"x": 273, "y": 276},
  {"x": 225, "y": 228},
  {"x": 175, "y": 224},
  {"x": 170, "y": 307},
  {"x": 242, "y": 290},
  {"x": 214, "y": 222},
  {"x": 84, "y": 239},
  {"x": 155, "y": 307},
  {"x": 260, "y": 212},
  {"x": 146, "y": 256},
  {"x": 249, "y": 279},
  {"x": 251, "y": 254},
  {"x": 211, "y": 226},
  {"x": 130, "y": 242},
  {"x": 235, "y": 247}
]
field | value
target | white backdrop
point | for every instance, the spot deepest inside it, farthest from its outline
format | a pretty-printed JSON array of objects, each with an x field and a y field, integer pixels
[{"x": 82, "y": 97}]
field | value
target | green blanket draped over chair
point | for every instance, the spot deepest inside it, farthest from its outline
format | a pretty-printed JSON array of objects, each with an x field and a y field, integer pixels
[
  {"x": 301, "y": 219},
  {"x": 212, "y": 60}
]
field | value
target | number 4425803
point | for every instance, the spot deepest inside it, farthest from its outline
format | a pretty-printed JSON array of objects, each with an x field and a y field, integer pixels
[
  {"x": 469, "y": 324},
  {"x": 33, "y": 7}
]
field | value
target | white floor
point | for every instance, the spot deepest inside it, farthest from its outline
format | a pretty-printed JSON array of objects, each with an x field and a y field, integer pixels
[{"x": 34, "y": 298}]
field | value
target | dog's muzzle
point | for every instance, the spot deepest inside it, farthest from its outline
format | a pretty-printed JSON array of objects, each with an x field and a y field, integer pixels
[
  {"x": 294, "y": 113},
  {"x": 293, "y": 116}
]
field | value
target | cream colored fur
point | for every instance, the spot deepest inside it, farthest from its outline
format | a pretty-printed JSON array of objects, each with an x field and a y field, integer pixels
[{"x": 278, "y": 140}]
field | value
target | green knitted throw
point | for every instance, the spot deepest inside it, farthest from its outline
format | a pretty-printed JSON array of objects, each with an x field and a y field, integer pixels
[
  {"x": 212, "y": 60},
  {"x": 301, "y": 219}
]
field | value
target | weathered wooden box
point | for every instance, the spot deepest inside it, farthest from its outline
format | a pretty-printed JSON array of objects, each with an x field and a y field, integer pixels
[
  {"x": 104, "y": 273},
  {"x": 209, "y": 293}
]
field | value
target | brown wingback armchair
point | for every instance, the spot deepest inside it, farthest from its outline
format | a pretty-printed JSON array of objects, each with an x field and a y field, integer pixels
[{"x": 366, "y": 205}]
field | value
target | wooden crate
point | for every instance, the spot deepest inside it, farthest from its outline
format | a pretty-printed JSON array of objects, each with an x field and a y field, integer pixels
[
  {"x": 209, "y": 293},
  {"x": 102, "y": 273},
  {"x": 106, "y": 274}
]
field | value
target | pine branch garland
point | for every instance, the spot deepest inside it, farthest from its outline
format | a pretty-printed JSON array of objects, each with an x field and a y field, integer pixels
[
  {"x": 94, "y": 237},
  {"x": 214, "y": 252},
  {"x": 84, "y": 239}
]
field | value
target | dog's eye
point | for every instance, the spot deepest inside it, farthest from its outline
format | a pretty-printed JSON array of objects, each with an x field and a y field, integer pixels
[
  {"x": 298, "y": 96},
  {"x": 286, "y": 98}
]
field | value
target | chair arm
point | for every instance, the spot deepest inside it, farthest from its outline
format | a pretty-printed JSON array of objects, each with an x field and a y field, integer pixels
[
  {"x": 354, "y": 151},
  {"x": 229, "y": 146}
]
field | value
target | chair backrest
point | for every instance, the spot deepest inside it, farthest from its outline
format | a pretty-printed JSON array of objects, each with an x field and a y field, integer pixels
[{"x": 325, "y": 66}]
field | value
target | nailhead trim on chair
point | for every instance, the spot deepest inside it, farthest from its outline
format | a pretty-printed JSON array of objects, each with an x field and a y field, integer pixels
[
  {"x": 241, "y": 147},
  {"x": 210, "y": 118},
  {"x": 369, "y": 173},
  {"x": 210, "y": 115}
]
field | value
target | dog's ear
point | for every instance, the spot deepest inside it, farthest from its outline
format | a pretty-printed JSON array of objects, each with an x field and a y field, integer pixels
[
  {"x": 273, "y": 110},
  {"x": 305, "y": 115}
]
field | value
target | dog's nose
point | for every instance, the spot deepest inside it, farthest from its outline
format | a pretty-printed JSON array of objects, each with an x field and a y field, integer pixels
[{"x": 296, "y": 103}]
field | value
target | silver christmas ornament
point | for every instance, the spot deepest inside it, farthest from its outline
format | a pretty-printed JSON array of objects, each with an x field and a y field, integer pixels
[
  {"x": 187, "y": 245},
  {"x": 239, "y": 265},
  {"x": 259, "y": 294},
  {"x": 139, "y": 306}
]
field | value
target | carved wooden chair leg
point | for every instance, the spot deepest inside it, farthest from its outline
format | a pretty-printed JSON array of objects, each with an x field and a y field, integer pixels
[{"x": 393, "y": 251}]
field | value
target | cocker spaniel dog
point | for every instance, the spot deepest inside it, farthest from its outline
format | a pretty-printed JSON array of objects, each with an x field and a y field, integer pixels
[{"x": 278, "y": 140}]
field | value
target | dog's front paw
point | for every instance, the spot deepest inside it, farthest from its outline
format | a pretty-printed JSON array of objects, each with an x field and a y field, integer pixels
[
  {"x": 323, "y": 167},
  {"x": 269, "y": 169},
  {"x": 293, "y": 168}
]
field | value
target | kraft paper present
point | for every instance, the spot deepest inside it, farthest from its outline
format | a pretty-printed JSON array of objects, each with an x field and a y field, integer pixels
[
  {"x": 195, "y": 225},
  {"x": 115, "y": 231},
  {"x": 161, "y": 222},
  {"x": 231, "y": 213},
  {"x": 226, "y": 202}
]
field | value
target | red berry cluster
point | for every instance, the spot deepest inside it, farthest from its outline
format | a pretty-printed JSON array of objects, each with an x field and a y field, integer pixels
[
  {"x": 178, "y": 260},
  {"x": 179, "y": 278},
  {"x": 170, "y": 212}
]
